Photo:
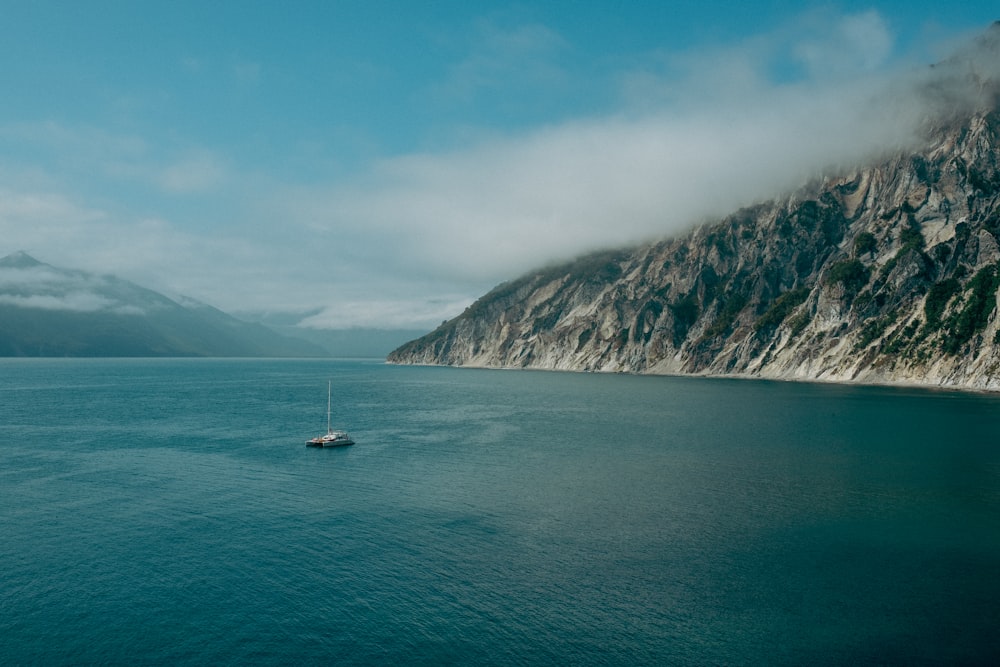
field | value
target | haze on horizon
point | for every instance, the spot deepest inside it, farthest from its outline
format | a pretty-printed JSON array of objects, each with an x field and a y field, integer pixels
[{"x": 380, "y": 165}]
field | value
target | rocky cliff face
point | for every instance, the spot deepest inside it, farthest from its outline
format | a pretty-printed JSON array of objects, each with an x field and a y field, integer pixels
[{"x": 887, "y": 274}]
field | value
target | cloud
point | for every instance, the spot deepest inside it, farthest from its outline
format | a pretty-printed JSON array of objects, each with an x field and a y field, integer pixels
[
  {"x": 18, "y": 279},
  {"x": 80, "y": 302},
  {"x": 72, "y": 142},
  {"x": 31, "y": 206},
  {"x": 819, "y": 46},
  {"x": 502, "y": 207},
  {"x": 386, "y": 313},
  {"x": 745, "y": 132},
  {"x": 836, "y": 46},
  {"x": 197, "y": 171},
  {"x": 47, "y": 288},
  {"x": 79, "y": 153},
  {"x": 66, "y": 232},
  {"x": 504, "y": 60}
]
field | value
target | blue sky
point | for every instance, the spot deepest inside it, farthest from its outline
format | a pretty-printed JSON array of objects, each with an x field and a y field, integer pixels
[{"x": 385, "y": 163}]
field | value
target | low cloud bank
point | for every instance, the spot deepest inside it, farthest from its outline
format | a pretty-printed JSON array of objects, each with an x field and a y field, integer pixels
[
  {"x": 45, "y": 288},
  {"x": 507, "y": 205},
  {"x": 78, "y": 302}
]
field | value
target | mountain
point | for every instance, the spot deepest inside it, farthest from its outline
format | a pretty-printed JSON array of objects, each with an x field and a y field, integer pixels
[
  {"x": 47, "y": 311},
  {"x": 886, "y": 273}
]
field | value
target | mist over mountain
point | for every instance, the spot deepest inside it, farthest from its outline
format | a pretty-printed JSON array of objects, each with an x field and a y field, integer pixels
[
  {"x": 352, "y": 342},
  {"x": 48, "y": 311},
  {"x": 887, "y": 271}
]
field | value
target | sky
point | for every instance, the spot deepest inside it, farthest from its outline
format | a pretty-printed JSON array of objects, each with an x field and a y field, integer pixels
[{"x": 383, "y": 164}]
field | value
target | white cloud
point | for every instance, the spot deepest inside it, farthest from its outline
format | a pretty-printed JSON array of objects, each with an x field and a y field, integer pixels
[
  {"x": 13, "y": 279},
  {"x": 499, "y": 208},
  {"x": 817, "y": 47},
  {"x": 198, "y": 171},
  {"x": 82, "y": 302},
  {"x": 45, "y": 219},
  {"x": 835, "y": 46},
  {"x": 66, "y": 233},
  {"x": 505, "y": 59},
  {"x": 386, "y": 313},
  {"x": 48, "y": 288},
  {"x": 743, "y": 133},
  {"x": 73, "y": 142},
  {"x": 84, "y": 153}
]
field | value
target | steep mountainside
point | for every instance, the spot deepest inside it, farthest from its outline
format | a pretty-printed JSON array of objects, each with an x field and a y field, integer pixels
[
  {"x": 47, "y": 311},
  {"x": 889, "y": 273}
]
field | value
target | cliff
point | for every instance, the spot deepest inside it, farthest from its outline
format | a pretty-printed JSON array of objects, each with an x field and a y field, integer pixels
[{"x": 886, "y": 273}]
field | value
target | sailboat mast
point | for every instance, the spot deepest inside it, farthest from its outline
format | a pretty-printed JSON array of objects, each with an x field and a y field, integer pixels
[{"x": 329, "y": 388}]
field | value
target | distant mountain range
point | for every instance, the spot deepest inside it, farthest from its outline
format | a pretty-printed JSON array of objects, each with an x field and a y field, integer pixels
[
  {"x": 47, "y": 311},
  {"x": 353, "y": 343}
]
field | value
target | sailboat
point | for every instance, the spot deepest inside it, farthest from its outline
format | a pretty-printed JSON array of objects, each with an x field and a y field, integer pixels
[{"x": 331, "y": 438}]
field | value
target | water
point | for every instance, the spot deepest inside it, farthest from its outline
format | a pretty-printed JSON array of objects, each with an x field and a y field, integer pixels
[{"x": 168, "y": 512}]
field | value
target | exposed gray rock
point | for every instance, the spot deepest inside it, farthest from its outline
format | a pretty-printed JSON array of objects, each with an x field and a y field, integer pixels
[{"x": 884, "y": 274}]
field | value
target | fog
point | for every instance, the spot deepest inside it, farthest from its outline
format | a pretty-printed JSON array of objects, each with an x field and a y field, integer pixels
[
  {"x": 408, "y": 238},
  {"x": 726, "y": 136}
]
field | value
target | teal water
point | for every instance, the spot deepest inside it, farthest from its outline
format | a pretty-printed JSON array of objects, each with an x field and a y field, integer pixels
[{"x": 168, "y": 512}]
